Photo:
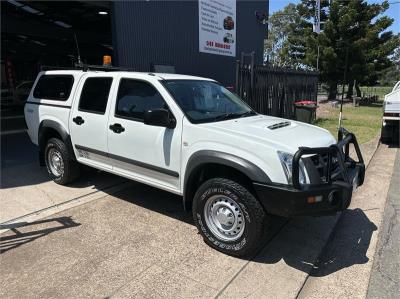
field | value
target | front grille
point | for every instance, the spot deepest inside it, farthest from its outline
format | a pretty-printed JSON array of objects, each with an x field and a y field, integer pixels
[{"x": 320, "y": 162}]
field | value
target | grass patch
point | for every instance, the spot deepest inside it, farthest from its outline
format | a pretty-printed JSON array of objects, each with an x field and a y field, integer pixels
[
  {"x": 380, "y": 91},
  {"x": 366, "y": 91},
  {"x": 365, "y": 122}
]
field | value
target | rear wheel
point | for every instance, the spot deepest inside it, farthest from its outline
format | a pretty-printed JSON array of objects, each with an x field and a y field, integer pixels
[
  {"x": 390, "y": 131},
  {"x": 61, "y": 168},
  {"x": 229, "y": 217},
  {"x": 386, "y": 134}
]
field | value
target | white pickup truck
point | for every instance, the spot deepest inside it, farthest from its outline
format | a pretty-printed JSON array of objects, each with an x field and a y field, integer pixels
[
  {"x": 391, "y": 115},
  {"x": 191, "y": 136}
]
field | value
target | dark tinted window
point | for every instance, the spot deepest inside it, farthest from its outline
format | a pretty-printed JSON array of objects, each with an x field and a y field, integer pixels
[
  {"x": 94, "y": 95},
  {"x": 54, "y": 87},
  {"x": 136, "y": 97}
]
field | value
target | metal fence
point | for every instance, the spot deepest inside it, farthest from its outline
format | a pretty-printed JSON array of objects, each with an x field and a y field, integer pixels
[{"x": 272, "y": 91}]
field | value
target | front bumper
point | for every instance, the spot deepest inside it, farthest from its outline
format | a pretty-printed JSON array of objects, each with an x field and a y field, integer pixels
[{"x": 341, "y": 176}]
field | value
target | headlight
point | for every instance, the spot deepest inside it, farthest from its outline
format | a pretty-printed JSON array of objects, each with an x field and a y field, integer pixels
[{"x": 287, "y": 164}]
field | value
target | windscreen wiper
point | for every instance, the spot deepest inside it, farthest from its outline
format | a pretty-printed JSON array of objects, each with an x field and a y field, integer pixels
[
  {"x": 248, "y": 113},
  {"x": 234, "y": 115},
  {"x": 227, "y": 116}
]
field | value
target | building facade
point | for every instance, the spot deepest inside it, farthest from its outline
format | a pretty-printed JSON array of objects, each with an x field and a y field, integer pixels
[{"x": 203, "y": 38}]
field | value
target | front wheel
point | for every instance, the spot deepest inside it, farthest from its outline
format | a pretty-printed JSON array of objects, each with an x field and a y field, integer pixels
[{"x": 229, "y": 217}]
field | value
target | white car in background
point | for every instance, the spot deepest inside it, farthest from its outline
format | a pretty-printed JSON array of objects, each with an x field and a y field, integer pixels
[
  {"x": 22, "y": 92},
  {"x": 7, "y": 96},
  {"x": 17, "y": 97},
  {"x": 391, "y": 115}
]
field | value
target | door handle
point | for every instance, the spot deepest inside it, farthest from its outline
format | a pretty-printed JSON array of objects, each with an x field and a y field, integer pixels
[
  {"x": 117, "y": 128},
  {"x": 78, "y": 120}
]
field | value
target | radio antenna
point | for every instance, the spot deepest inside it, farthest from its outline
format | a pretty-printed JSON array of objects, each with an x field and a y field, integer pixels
[{"x": 77, "y": 48}]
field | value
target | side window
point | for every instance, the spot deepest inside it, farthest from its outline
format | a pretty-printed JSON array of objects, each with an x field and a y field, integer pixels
[
  {"x": 54, "y": 87},
  {"x": 136, "y": 97},
  {"x": 94, "y": 95}
]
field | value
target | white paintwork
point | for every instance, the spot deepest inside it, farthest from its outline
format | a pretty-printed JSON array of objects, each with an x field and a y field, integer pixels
[
  {"x": 93, "y": 132},
  {"x": 392, "y": 102},
  {"x": 157, "y": 146},
  {"x": 35, "y": 114},
  {"x": 248, "y": 138}
]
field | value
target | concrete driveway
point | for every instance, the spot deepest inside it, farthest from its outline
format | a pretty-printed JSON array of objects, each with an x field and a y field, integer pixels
[
  {"x": 26, "y": 188},
  {"x": 139, "y": 243}
]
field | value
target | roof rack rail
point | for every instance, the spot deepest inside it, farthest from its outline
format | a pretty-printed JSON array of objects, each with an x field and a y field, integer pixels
[
  {"x": 87, "y": 67},
  {"x": 50, "y": 67}
]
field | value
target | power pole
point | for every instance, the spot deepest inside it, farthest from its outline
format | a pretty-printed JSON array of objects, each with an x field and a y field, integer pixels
[
  {"x": 317, "y": 25},
  {"x": 344, "y": 82}
]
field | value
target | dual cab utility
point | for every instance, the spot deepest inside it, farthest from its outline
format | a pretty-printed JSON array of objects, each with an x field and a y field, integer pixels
[{"x": 191, "y": 136}]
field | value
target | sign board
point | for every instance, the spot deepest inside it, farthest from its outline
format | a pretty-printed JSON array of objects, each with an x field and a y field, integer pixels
[{"x": 217, "y": 27}]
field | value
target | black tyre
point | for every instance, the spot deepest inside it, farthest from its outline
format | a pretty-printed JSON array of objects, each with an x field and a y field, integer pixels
[
  {"x": 61, "y": 167},
  {"x": 386, "y": 135},
  {"x": 229, "y": 217}
]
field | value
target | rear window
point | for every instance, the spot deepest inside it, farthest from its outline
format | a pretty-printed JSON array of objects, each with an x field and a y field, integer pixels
[{"x": 54, "y": 87}]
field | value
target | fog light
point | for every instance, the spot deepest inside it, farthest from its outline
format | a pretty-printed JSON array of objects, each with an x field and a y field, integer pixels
[{"x": 314, "y": 199}]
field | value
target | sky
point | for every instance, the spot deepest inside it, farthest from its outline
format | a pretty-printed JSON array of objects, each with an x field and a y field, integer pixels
[{"x": 393, "y": 11}]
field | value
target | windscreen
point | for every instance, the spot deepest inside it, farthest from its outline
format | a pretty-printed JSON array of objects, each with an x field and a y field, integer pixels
[{"x": 206, "y": 101}]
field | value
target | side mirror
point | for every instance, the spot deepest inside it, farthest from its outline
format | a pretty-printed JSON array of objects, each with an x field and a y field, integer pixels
[{"x": 159, "y": 118}]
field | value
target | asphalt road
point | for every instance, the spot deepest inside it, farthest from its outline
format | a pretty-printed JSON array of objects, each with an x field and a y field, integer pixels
[{"x": 385, "y": 276}]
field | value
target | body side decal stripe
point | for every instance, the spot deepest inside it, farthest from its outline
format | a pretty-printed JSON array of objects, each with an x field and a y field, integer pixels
[
  {"x": 51, "y": 105},
  {"x": 130, "y": 161}
]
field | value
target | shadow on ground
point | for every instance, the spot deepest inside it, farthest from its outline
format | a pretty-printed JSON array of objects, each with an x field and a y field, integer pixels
[
  {"x": 295, "y": 241},
  {"x": 350, "y": 249},
  {"x": 27, "y": 232},
  {"x": 20, "y": 166},
  {"x": 156, "y": 200},
  {"x": 297, "y": 251},
  {"x": 371, "y": 104},
  {"x": 394, "y": 144},
  {"x": 292, "y": 240}
]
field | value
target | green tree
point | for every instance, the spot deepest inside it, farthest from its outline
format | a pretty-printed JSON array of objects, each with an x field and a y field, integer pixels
[
  {"x": 389, "y": 76},
  {"x": 352, "y": 28},
  {"x": 281, "y": 25}
]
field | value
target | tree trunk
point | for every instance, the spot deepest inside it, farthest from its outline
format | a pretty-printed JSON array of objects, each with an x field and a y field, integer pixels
[
  {"x": 358, "y": 90},
  {"x": 332, "y": 92},
  {"x": 350, "y": 89}
]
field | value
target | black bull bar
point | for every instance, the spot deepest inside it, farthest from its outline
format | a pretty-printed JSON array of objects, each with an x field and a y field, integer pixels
[{"x": 341, "y": 153}]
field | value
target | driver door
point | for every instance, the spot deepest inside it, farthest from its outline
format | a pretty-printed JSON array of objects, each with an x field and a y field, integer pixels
[{"x": 146, "y": 153}]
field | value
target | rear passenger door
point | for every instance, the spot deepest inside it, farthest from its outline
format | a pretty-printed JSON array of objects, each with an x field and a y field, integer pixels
[{"x": 88, "y": 120}]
